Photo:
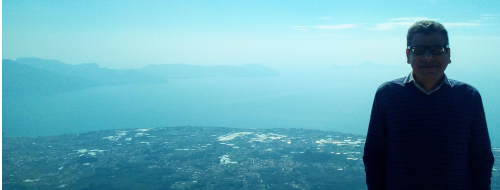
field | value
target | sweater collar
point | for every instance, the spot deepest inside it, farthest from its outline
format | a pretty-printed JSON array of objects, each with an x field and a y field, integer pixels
[{"x": 410, "y": 79}]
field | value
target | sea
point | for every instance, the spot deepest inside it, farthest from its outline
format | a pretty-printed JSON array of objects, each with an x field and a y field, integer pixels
[{"x": 331, "y": 100}]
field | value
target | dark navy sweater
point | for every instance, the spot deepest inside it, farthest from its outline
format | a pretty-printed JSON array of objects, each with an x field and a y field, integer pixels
[{"x": 420, "y": 141}]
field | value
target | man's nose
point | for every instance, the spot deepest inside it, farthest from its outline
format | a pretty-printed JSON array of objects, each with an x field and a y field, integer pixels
[{"x": 428, "y": 54}]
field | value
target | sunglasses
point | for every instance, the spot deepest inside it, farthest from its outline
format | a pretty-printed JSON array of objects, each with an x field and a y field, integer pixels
[{"x": 435, "y": 50}]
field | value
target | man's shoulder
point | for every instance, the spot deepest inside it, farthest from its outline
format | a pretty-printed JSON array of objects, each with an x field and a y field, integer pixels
[
  {"x": 462, "y": 86},
  {"x": 390, "y": 90},
  {"x": 392, "y": 85}
]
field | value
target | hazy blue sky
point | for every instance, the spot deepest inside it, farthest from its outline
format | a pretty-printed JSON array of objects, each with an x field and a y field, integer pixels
[{"x": 278, "y": 34}]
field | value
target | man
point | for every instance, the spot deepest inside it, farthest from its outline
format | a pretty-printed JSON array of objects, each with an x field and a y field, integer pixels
[{"x": 427, "y": 131}]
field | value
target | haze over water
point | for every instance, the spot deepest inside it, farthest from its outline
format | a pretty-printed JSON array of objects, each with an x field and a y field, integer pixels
[
  {"x": 269, "y": 102},
  {"x": 333, "y": 99}
]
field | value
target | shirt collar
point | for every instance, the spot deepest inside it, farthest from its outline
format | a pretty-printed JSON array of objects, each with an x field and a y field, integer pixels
[{"x": 410, "y": 79}]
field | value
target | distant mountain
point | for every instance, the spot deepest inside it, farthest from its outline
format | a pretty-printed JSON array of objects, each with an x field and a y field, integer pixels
[
  {"x": 91, "y": 71},
  {"x": 177, "y": 71},
  {"x": 39, "y": 76},
  {"x": 42, "y": 76},
  {"x": 20, "y": 79}
]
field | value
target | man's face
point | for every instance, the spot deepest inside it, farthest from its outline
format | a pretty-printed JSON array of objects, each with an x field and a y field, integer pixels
[{"x": 428, "y": 66}]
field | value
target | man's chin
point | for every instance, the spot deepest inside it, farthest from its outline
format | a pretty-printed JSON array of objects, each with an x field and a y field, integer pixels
[
  {"x": 430, "y": 70},
  {"x": 431, "y": 75}
]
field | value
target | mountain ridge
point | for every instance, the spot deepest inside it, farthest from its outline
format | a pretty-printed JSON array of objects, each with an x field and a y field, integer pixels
[{"x": 35, "y": 76}]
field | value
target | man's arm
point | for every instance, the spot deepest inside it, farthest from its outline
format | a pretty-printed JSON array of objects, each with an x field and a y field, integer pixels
[
  {"x": 374, "y": 156},
  {"x": 480, "y": 155}
]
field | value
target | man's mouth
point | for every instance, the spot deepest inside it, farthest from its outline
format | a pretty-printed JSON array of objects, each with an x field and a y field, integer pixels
[{"x": 428, "y": 66}]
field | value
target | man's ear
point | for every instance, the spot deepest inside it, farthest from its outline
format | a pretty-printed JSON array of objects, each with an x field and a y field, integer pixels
[
  {"x": 408, "y": 56},
  {"x": 449, "y": 55}
]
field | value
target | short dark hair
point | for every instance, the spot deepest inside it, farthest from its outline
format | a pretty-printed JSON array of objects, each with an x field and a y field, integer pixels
[{"x": 427, "y": 27}]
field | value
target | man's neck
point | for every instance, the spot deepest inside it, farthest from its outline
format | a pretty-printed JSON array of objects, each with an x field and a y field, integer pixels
[{"x": 428, "y": 84}]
